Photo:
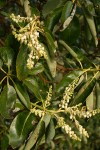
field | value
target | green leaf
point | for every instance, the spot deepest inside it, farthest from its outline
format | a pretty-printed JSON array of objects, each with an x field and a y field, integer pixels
[
  {"x": 23, "y": 95},
  {"x": 92, "y": 26},
  {"x": 50, "y": 132},
  {"x": 72, "y": 32},
  {"x": 20, "y": 128},
  {"x": 90, "y": 8},
  {"x": 35, "y": 135},
  {"x": 90, "y": 101},
  {"x": 37, "y": 69},
  {"x": 4, "y": 143},
  {"x": 53, "y": 18},
  {"x": 69, "y": 19},
  {"x": 85, "y": 91},
  {"x": 50, "y": 44},
  {"x": 7, "y": 55},
  {"x": 34, "y": 11},
  {"x": 82, "y": 57},
  {"x": 52, "y": 66},
  {"x": 1, "y": 63},
  {"x": 71, "y": 51},
  {"x": 50, "y": 6},
  {"x": 98, "y": 95},
  {"x": 66, "y": 11},
  {"x": 21, "y": 61},
  {"x": 46, "y": 119},
  {"x": 10, "y": 41},
  {"x": 33, "y": 86},
  {"x": 7, "y": 100},
  {"x": 68, "y": 79}
]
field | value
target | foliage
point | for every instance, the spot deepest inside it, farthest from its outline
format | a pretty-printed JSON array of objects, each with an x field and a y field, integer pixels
[{"x": 49, "y": 74}]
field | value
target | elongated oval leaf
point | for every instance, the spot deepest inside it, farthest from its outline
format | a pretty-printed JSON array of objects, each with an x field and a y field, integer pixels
[
  {"x": 21, "y": 67},
  {"x": 69, "y": 19},
  {"x": 35, "y": 135},
  {"x": 66, "y": 11},
  {"x": 90, "y": 101},
  {"x": 72, "y": 32},
  {"x": 33, "y": 86},
  {"x": 50, "y": 133},
  {"x": 52, "y": 66},
  {"x": 71, "y": 51},
  {"x": 98, "y": 95},
  {"x": 50, "y": 6},
  {"x": 53, "y": 18},
  {"x": 85, "y": 91},
  {"x": 23, "y": 95},
  {"x": 46, "y": 119},
  {"x": 50, "y": 44},
  {"x": 7, "y": 55},
  {"x": 92, "y": 27},
  {"x": 20, "y": 128},
  {"x": 7, "y": 100}
]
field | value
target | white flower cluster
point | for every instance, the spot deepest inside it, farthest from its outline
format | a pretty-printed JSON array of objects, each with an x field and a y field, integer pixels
[
  {"x": 88, "y": 113},
  {"x": 81, "y": 112},
  {"x": 48, "y": 98},
  {"x": 71, "y": 133},
  {"x": 29, "y": 35},
  {"x": 67, "y": 128},
  {"x": 81, "y": 129},
  {"x": 68, "y": 94},
  {"x": 37, "y": 112},
  {"x": 75, "y": 112},
  {"x": 20, "y": 19}
]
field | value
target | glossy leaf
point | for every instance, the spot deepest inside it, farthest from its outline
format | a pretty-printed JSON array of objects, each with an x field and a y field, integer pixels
[
  {"x": 85, "y": 91},
  {"x": 90, "y": 101},
  {"x": 66, "y": 11},
  {"x": 53, "y": 18},
  {"x": 7, "y": 100},
  {"x": 71, "y": 51},
  {"x": 72, "y": 32},
  {"x": 21, "y": 67},
  {"x": 46, "y": 119},
  {"x": 92, "y": 27},
  {"x": 98, "y": 95},
  {"x": 20, "y": 128},
  {"x": 50, "y": 44},
  {"x": 69, "y": 19},
  {"x": 50, "y": 6},
  {"x": 35, "y": 135},
  {"x": 82, "y": 57},
  {"x": 33, "y": 86},
  {"x": 7, "y": 55},
  {"x": 68, "y": 79},
  {"x": 23, "y": 95},
  {"x": 52, "y": 66},
  {"x": 50, "y": 133}
]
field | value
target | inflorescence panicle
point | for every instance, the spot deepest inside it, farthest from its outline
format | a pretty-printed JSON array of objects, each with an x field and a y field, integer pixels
[
  {"x": 29, "y": 35},
  {"x": 68, "y": 94},
  {"x": 28, "y": 32},
  {"x": 48, "y": 98},
  {"x": 75, "y": 112}
]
